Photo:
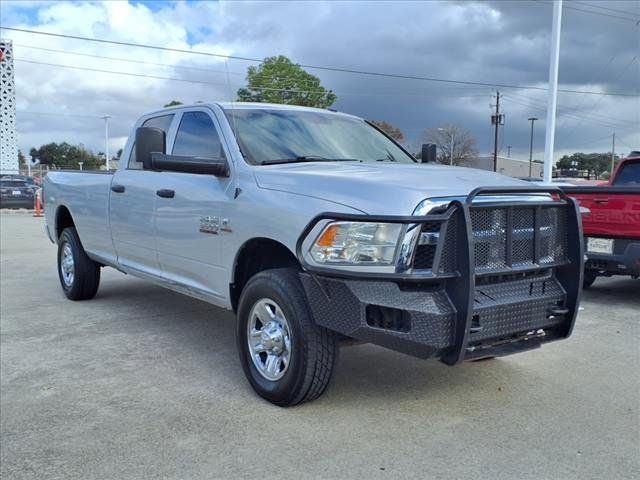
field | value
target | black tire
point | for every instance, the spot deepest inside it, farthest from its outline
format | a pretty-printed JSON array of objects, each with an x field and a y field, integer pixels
[
  {"x": 86, "y": 273},
  {"x": 589, "y": 278},
  {"x": 313, "y": 349}
]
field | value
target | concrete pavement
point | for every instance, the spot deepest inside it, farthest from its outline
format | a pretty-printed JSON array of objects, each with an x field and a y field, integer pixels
[{"x": 145, "y": 383}]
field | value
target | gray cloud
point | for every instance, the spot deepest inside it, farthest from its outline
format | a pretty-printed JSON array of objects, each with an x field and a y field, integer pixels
[{"x": 499, "y": 41}]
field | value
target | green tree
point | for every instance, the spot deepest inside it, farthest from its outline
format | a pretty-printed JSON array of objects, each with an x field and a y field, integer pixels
[
  {"x": 172, "y": 103},
  {"x": 595, "y": 164},
  {"x": 64, "y": 155},
  {"x": 389, "y": 129},
  {"x": 279, "y": 80}
]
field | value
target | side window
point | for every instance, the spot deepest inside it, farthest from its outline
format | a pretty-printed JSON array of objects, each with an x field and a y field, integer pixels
[
  {"x": 197, "y": 137},
  {"x": 163, "y": 122}
]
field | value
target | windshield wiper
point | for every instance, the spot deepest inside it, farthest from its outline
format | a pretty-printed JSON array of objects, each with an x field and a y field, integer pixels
[{"x": 306, "y": 158}]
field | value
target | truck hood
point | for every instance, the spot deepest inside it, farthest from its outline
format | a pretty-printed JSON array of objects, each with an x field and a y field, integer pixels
[{"x": 383, "y": 188}]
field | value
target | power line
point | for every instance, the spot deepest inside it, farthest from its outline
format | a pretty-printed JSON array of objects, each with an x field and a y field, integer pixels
[
  {"x": 577, "y": 117},
  {"x": 129, "y": 60},
  {"x": 597, "y": 102},
  {"x": 203, "y": 82},
  {"x": 565, "y": 111},
  {"x": 602, "y": 14},
  {"x": 626, "y": 12},
  {"x": 58, "y": 114},
  {"x": 175, "y": 67},
  {"x": 316, "y": 67}
]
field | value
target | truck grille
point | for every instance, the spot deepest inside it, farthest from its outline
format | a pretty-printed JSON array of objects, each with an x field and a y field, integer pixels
[
  {"x": 504, "y": 239},
  {"x": 518, "y": 237}
]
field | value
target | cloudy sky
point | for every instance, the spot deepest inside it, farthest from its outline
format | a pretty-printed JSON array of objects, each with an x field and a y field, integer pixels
[{"x": 494, "y": 42}]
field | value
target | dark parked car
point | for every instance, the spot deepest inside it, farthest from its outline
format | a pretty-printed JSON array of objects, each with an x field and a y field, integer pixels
[{"x": 16, "y": 193}]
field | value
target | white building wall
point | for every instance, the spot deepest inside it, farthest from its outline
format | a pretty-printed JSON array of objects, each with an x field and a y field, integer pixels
[
  {"x": 8, "y": 136},
  {"x": 508, "y": 166}
]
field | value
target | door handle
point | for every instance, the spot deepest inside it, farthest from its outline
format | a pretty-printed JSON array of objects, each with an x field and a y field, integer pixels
[
  {"x": 601, "y": 200},
  {"x": 117, "y": 188},
  {"x": 165, "y": 193}
]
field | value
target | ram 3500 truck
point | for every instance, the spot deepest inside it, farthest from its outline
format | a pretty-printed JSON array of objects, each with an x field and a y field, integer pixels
[
  {"x": 316, "y": 228},
  {"x": 611, "y": 223}
]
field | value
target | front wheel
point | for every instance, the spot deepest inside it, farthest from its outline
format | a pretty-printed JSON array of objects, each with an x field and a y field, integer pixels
[
  {"x": 286, "y": 357},
  {"x": 79, "y": 275}
]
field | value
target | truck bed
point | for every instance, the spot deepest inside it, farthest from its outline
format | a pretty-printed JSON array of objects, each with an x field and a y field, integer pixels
[
  {"x": 85, "y": 194},
  {"x": 614, "y": 211}
]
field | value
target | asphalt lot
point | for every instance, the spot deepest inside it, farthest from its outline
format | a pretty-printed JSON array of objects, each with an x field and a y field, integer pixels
[{"x": 144, "y": 383}]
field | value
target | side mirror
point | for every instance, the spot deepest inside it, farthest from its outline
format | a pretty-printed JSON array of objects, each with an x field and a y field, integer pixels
[
  {"x": 428, "y": 152},
  {"x": 177, "y": 163},
  {"x": 149, "y": 140}
]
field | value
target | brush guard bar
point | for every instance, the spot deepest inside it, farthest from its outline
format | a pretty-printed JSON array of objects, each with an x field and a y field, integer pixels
[{"x": 526, "y": 295}]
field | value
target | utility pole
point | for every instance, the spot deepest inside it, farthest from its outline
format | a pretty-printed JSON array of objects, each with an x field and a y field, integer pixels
[
  {"x": 613, "y": 153},
  {"x": 106, "y": 140},
  {"x": 553, "y": 90},
  {"x": 451, "y": 151},
  {"x": 531, "y": 119},
  {"x": 496, "y": 122}
]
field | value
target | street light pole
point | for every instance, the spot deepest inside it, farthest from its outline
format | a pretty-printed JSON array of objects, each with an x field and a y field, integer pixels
[
  {"x": 531, "y": 119},
  {"x": 106, "y": 139},
  {"x": 553, "y": 90},
  {"x": 613, "y": 154}
]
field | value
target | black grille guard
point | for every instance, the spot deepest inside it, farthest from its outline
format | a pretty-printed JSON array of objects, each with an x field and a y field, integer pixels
[{"x": 461, "y": 287}]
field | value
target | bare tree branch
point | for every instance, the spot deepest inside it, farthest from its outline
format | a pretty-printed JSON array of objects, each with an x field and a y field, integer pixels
[{"x": 453, "y": 142}]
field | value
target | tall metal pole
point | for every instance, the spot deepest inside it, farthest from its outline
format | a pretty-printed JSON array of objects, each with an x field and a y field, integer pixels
[
  {"x": 106, "y": 139},
  {"x": 451, "y": 151},
  {"x": 553, "y": 90},
  {"x": 495, "y": 137},
  {"x": 531, "y": 119},
  {"x": 613, "y": 153}
]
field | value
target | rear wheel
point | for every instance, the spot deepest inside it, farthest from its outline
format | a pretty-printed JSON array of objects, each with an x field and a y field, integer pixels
[
  {"x": 589, "y": 278},
  {"x": 79, "y": 275},
  {"x": 286, "y": 357}
]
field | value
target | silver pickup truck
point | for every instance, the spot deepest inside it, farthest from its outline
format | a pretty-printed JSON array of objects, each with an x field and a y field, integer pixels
[{"x": 317, "y": 230}]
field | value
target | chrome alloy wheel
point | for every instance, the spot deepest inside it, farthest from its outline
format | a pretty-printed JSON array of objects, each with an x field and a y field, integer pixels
[
  {"x": 269, "y": 339},
  {"x": 67, "y": 265}
]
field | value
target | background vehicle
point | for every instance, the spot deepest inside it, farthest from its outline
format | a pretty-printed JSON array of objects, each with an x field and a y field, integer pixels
[
  {"x": 612, "y": 227},
  {"x": 314, "y": 226},
  {"x": 16, "y": 193}
]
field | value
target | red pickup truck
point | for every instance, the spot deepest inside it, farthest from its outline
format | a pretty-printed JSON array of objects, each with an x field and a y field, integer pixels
[{"x": 611, "y": 222}]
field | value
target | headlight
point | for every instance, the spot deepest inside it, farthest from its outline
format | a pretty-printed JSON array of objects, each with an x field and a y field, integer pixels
[{"x": 356, "y": 243}]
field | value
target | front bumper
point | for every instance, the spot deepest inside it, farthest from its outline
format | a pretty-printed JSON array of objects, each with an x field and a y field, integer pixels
[
  {"x": 467, "y": 313},
  {"x": 625, "y": 259}
]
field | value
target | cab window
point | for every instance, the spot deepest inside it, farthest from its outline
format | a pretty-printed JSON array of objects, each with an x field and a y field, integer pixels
[
  {"x": 197, "y": 137},
  {"x": 162, "y": 122}
]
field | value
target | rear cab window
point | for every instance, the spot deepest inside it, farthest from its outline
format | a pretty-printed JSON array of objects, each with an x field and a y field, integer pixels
[
  {"x": 163, "y": 122},
  {"x": 628, "y": 175}
]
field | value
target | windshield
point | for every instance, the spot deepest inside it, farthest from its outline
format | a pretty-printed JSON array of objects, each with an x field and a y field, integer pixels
[{"x": 280, "y": 136}]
